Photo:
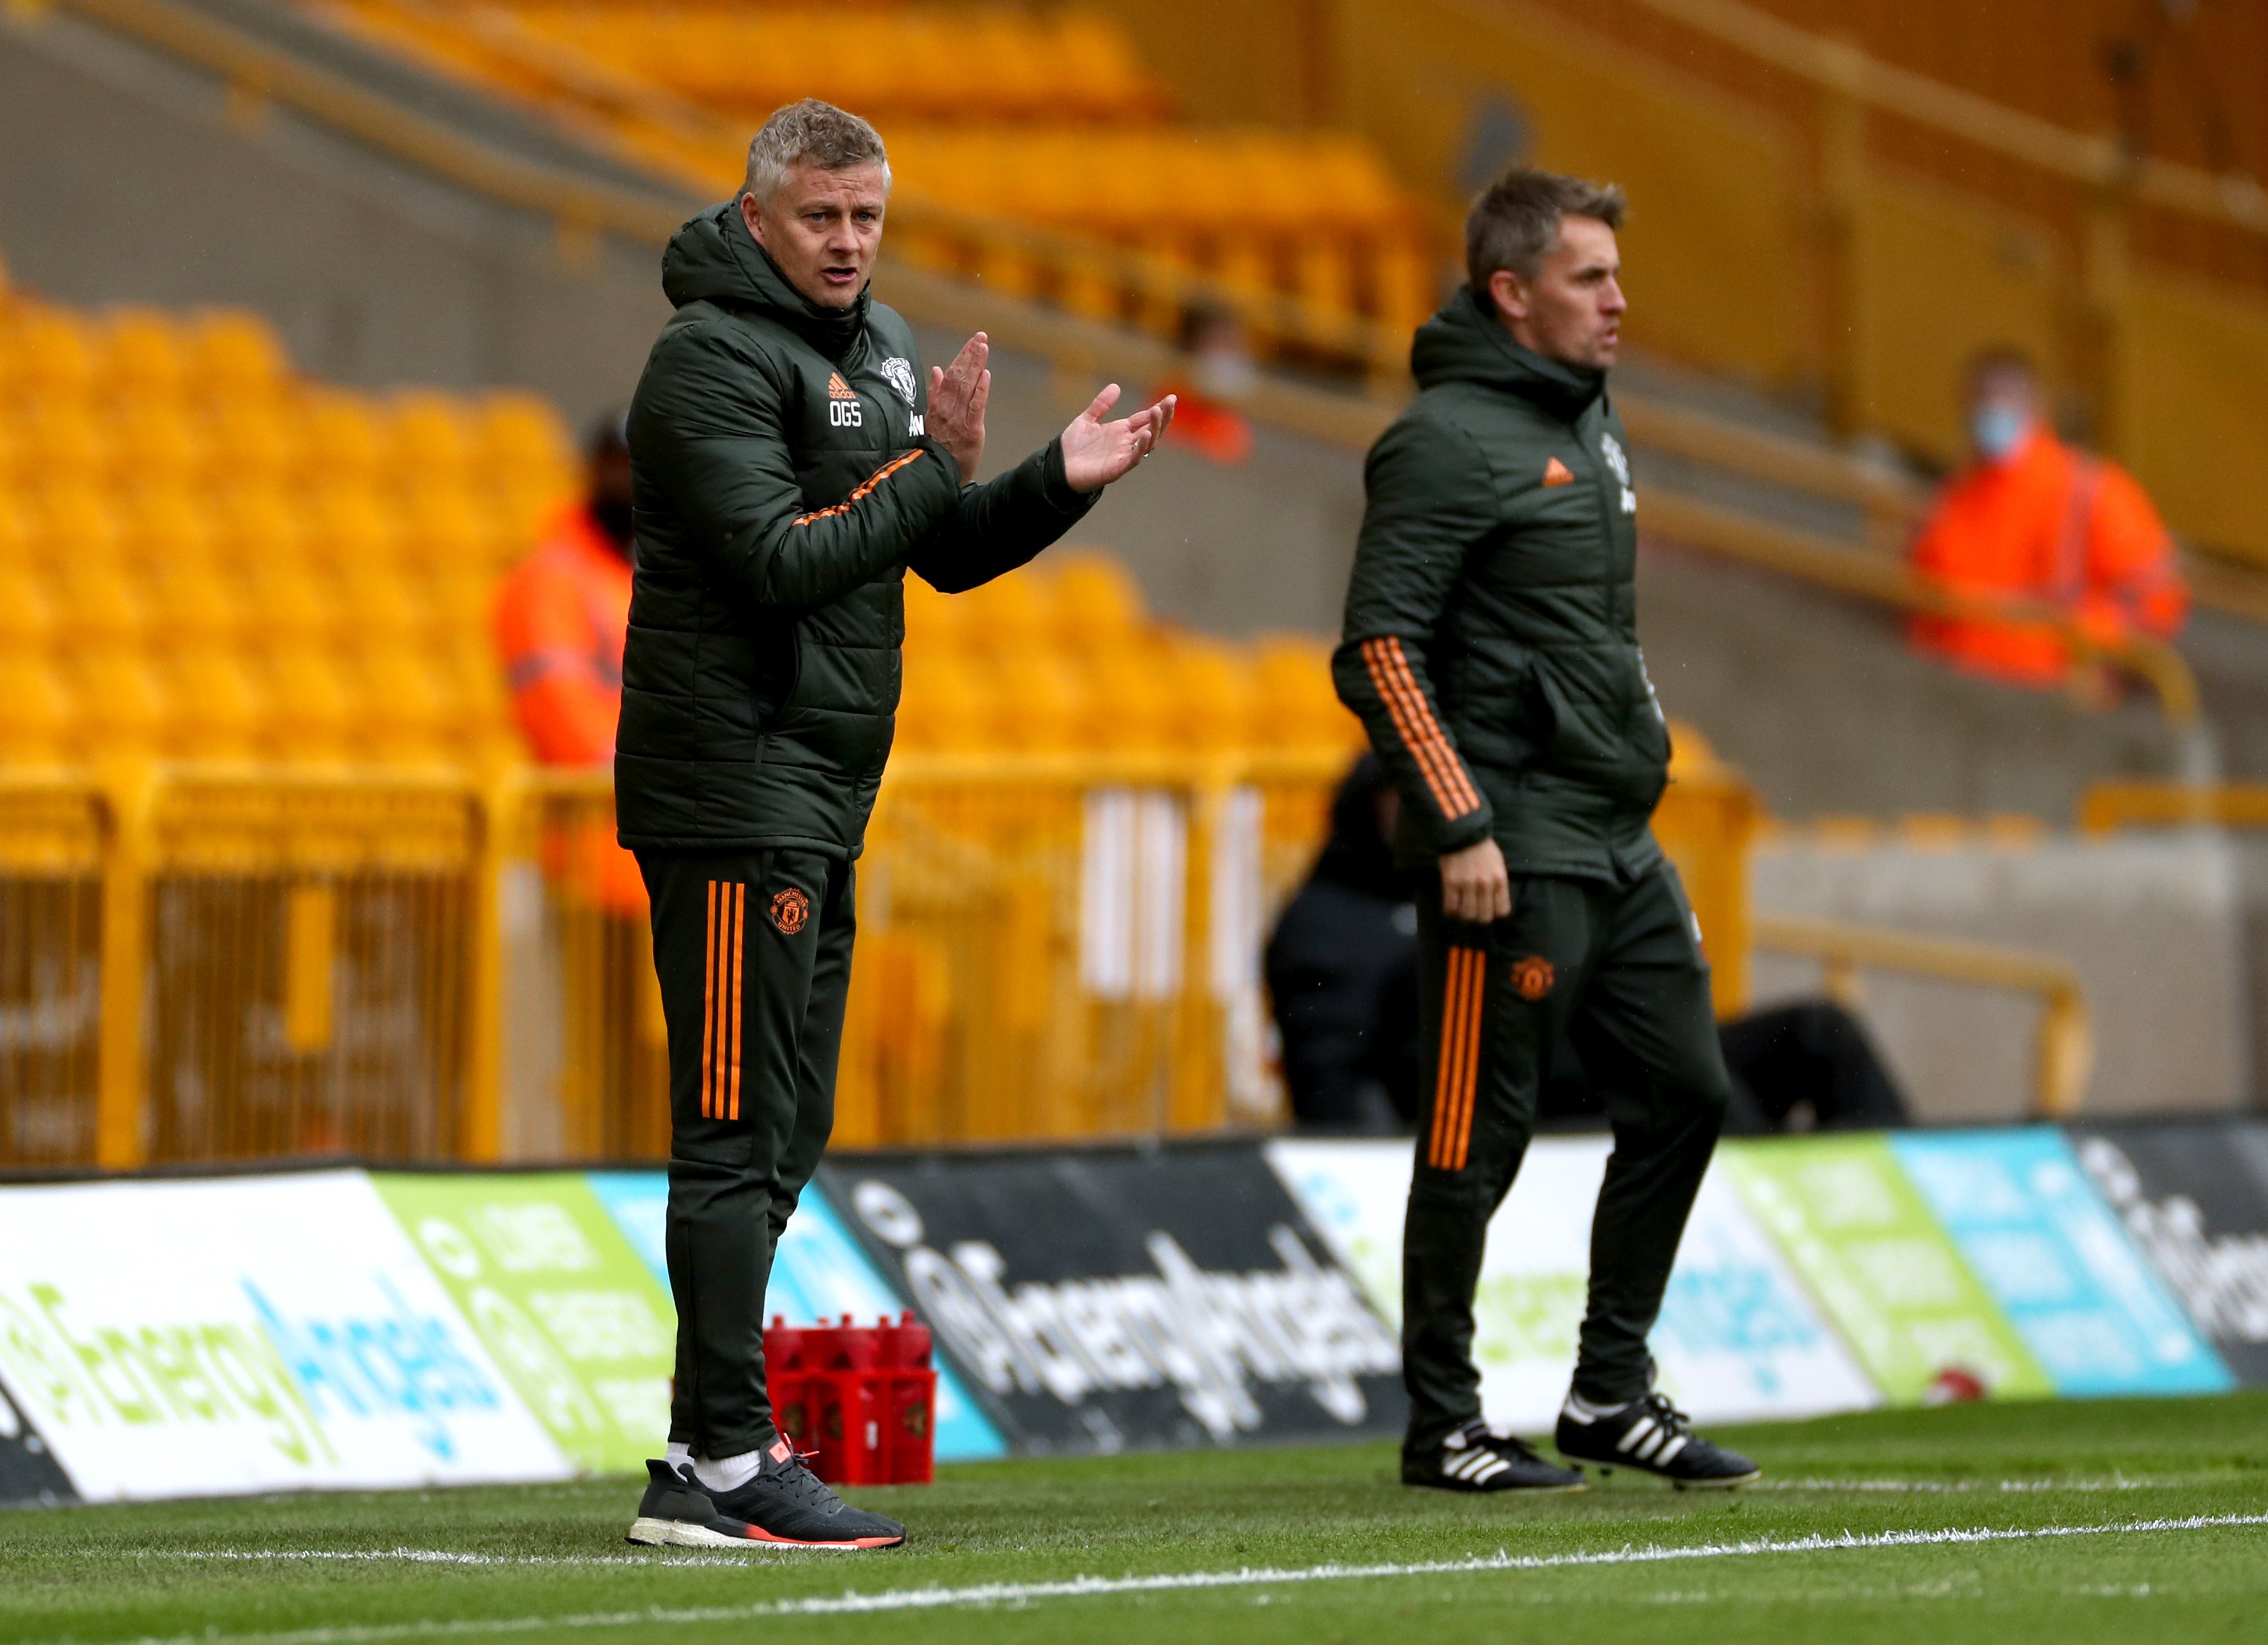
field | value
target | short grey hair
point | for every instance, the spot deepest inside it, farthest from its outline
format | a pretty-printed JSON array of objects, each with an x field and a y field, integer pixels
[
  {"x": 816, "y": 134},
  {"x": 1516, "y": 219}
]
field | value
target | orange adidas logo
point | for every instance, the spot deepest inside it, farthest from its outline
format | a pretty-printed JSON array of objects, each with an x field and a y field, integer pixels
[
  {"x": 1557, "y": 473},
  {"x": 837, "y": 390}
]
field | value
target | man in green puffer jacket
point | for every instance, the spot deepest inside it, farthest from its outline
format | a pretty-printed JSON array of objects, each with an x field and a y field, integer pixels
[
  {"x": 1492, "y": 649},
  {"x": 790, "y": 462}
]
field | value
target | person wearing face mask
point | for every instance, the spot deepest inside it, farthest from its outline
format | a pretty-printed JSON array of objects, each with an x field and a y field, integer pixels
[{"x": 2033, "y": 519}]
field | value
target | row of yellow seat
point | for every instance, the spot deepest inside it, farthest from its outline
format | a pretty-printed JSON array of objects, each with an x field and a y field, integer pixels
[
  {"x": 1312, "y": 215},
  {"x": 1061, "y": 658},
  {"x": 919, "y": 63}
]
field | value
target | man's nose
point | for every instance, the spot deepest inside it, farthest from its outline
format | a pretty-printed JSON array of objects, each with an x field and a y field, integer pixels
[{"x": 1612, "y": 300}]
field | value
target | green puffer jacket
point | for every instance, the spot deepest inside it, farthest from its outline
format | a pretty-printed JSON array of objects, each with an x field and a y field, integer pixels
[
  {"x": 1491, "y": 645},
  {"x": 782, "y": 484}
]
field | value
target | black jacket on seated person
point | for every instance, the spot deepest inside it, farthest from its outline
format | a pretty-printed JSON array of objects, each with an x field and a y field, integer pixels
[{"x": 1342, "y": 970}]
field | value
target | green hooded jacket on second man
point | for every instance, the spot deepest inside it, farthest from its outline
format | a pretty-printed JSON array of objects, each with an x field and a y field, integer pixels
[{"x": 1490, "y": 642}]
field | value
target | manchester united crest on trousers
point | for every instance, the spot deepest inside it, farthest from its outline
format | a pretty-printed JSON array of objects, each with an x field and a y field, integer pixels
[
  {"x": 1531, "y": 977},
  {"x": 791, "y": 910}
]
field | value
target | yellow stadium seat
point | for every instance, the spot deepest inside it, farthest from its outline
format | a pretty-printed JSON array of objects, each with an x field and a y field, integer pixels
[
  {"x": 39, "y": 714},
  {"x": 99, "y": 605},
  {"x": 157, "y": 442},
  {"x": 1297, "y": 703},
  {"x": 1008, "y": 614},
  {"x": 520, "y": 435},
  {"x": 51, "y": 355},
  {"x": 72, "y": 524},
  {"x": 196, "y": 608},
  {"x": 933, "y": 619},
  {"x": 1043, "y": 702},
  {"x": 309, "y": 708},
  {"x": 165, "y": 529},
  {"x": 345, "y": 438},
  {"x": 295, "y": 606},
  {"x": 220, "y": 708},
  {"x": 448, "y": 525},
  {"x": 63, "y": 441},
  {"x": 949, "y": 705},
  {"x": 142, "y": 358},
  {"x": 1133, "y": 709},
  {"x": 259, "y": 526},
  {"x": 1097, "y": 601},
  {"x": 404, "y": 713},
  {"x": 1211, "y": 699},
  {"x": 387, "y": 605},
  {"x": 348, "y": 524},
  {"x": 434, "y": 440},
  {"x": 28, "y": 611},
  {"x": 122, "y": 708},
  {"x": 257, "y": 440},
  {"x": 15, "y": 534},
  {"x": 236, "y": 355}
]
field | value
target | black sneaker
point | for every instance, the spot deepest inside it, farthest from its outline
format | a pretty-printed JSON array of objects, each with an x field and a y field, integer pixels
[
  {"x": 783, "y": 1505},
  {"x": 1473, "y": 1458},
  {"x": 1653, "y": 1436}
]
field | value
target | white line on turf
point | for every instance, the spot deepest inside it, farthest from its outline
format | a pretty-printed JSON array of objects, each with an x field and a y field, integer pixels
[{"x": 852, "y": 1602}]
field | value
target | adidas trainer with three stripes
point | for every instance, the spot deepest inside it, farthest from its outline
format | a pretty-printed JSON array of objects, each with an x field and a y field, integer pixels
[
  {"x": 1476, "y": 1458},
  {"x": 1650, "y": 1435}
]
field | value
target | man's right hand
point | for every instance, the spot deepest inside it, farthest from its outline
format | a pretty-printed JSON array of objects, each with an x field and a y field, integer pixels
[
  {"x": 957, "y": 393},
  {"x": 1475, "y": 887}
]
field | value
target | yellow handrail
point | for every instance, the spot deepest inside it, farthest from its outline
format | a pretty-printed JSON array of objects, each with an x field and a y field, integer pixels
[
  {"x": 2063, "y": 1056},
  {"x": 1837, "y": 66},
  {"x": 2111, "y": 805}
]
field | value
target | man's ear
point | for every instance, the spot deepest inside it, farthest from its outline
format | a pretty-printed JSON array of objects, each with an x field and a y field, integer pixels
[
  {"x": 752, "y": 215},
  {"x": 1510, "y": 294}
]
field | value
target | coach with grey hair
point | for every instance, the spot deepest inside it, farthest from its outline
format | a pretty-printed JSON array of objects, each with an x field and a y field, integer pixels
[
  {"x": 790, "y": 460},
  {"x": 1491, "y": 648}
]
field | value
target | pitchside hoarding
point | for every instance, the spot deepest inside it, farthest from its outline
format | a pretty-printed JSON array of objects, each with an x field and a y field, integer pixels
[
  {"x": 819, "y": 1275},
  {"x": 1737, "y": 1339},
  {"x": 1137, "y": 1298},
  {"x": 563, "y": 1305},
  {"x": 171, "y": 1338},
  {"x": 2057, "y": 1260},
  {"x": 2194, "y": 1198}
]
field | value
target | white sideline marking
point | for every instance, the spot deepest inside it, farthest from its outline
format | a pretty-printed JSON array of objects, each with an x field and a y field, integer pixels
[{"x": 852, "y": 1602}]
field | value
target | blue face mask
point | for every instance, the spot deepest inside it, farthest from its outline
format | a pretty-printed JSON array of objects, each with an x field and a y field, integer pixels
[{"x": 1997, "y": 429}]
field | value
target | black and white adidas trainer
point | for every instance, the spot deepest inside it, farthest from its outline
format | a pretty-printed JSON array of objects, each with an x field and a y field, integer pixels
[
  {"x": 1653, "y": 1435},
  {"x": 1476, "y": 1458},
  {"x": 783, "y": 1505}
]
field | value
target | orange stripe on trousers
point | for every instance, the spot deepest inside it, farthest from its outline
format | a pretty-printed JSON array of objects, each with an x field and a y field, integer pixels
[
  {"x": 740, "y": 938},
  {"x": 1397, "y": 707},
  {"x": 1449, "y": 1074},
  {"x": 709, "y": 1005},
  {"x": 1452, "y": 768},
  {"x": 1469, "y": 1084}
]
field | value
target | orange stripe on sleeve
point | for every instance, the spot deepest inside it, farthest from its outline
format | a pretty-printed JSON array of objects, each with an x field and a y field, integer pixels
[
  {"x": 865, "y": 490},
  {"x": 708, "y": 1004},
  {"x": 1428, "y": 761},
  {"x": 739, "y": 943},
  {"x": 1452, "y": 768}
]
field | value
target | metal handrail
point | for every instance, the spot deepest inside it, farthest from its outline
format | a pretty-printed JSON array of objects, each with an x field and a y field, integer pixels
[
  {"x": 2235, "y": 199},
  {"x": 2109, "y": 806},
  {"x": 2064, "y": 1052}
]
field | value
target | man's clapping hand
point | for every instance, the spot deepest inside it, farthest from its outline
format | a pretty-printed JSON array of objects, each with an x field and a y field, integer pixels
[
  {"x": 957, "y": 393},
  {"x": 1095, "y": 453}
]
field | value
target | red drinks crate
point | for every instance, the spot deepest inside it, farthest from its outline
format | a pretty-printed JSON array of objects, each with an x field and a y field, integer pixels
[{"x": 863, "y": 1398}]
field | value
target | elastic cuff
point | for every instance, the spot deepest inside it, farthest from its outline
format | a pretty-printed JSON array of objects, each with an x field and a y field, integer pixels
[{"x": 1055, "y": 483}]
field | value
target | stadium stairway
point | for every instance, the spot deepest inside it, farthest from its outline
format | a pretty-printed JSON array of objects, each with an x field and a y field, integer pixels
[{"x": 383, "y": 255}]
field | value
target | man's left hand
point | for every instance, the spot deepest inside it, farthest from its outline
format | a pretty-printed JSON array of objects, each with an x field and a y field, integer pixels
[{"x": 1095, "y": 453}]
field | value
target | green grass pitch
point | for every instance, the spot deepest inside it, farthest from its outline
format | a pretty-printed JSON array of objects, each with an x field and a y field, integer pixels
[{"x": 2068, "y": 1522}]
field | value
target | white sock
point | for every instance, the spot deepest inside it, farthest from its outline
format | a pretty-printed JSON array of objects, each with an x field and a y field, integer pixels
[
  {"x": 727, "y": 1473},
  {"x": 1589, "y": 1413},
  {"x": 675, "y": 1452}
]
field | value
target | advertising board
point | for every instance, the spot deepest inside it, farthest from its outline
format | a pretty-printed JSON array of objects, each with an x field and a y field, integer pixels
[
  {"x": 563, "y": 1304},
  {"x": 2194, "y": 1199},
  {"x": 168, "y": 1338},
  {"x": 819, "y": 1275},
  {"x": 1737, "y": 1337},
  {"x": 2059, "y": 1263},
  {"x": 1135, "y": 1298},
  {"x": 1863, "y": 1242},
  {"x": 29, "y": 1471}
]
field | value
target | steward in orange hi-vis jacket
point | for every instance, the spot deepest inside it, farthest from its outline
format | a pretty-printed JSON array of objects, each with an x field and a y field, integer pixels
[
  {"x": 561, "y": 617},
  {"x": 2032, "y": 518}
]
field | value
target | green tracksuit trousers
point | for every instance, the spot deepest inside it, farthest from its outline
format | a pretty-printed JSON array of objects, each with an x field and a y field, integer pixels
[
  {"x": 753, "y": 949},
  {"x": 1619, "y": 968}
]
